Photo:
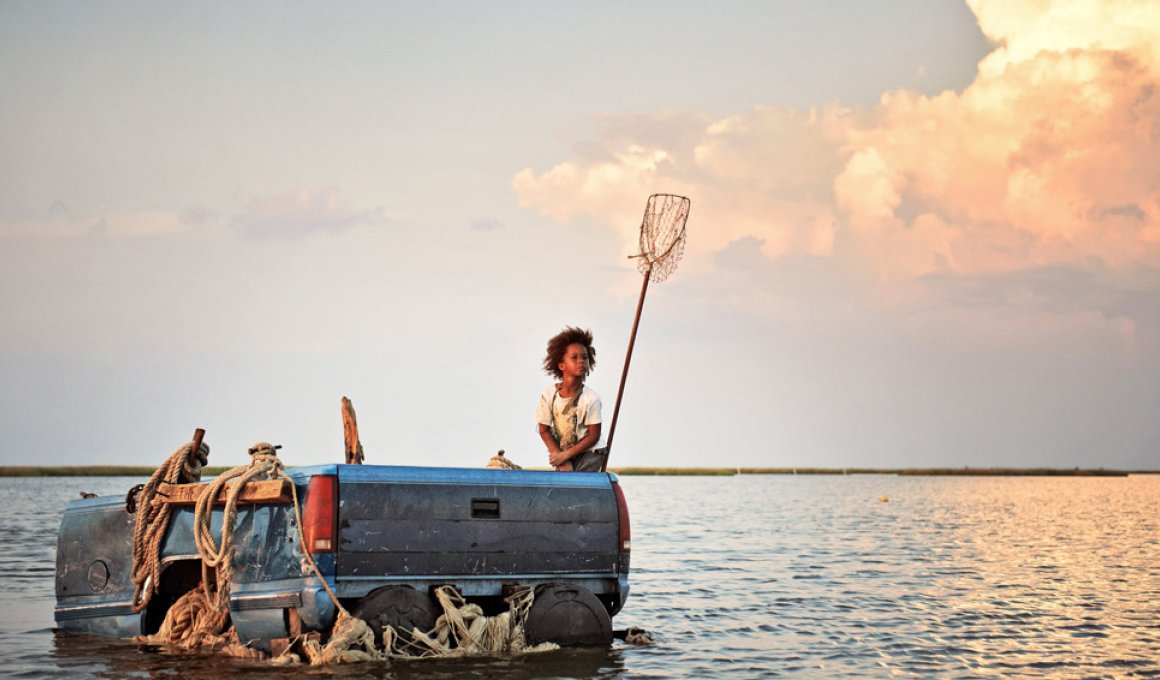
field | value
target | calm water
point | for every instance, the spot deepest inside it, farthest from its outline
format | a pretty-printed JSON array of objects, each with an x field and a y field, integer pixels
[{"x": 764, "y": 576}]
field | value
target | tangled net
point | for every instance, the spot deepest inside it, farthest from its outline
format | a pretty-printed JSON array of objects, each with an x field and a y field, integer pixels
[
  {"x": 662, "y": 235},
  {"x": 462, "y": 630}
]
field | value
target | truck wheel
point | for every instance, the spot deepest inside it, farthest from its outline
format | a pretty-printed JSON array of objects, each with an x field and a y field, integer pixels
[
  {"x": 401, "y": 607},
  {"x": 570, "y": 616}
]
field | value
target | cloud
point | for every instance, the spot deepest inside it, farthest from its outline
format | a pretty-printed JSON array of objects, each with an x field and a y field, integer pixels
[
  {"x": 1048, "y": 158},
  {"x": 293, "y": 214},
  {"x": 486, "y": 224},
  {"x": 1023, "y": 30},
  {"x": 147, "y": 223},
  {"x": 61, "y": 224},
  {"x": 303, "y": 211}
]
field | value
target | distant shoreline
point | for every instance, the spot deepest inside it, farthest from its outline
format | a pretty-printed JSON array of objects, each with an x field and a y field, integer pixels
[{"x": 142, "y": 471}]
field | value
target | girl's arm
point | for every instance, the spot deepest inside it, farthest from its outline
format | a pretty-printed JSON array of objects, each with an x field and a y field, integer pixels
[
  {"x": 546, "y": 435},
  {"x": 559, "y": 457}
]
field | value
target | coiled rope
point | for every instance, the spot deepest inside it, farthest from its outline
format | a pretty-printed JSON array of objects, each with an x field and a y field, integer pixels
[
  {"x": 219, "y": 557},
  {"x": 200, "y": 618},
  {"x": 501, "y": 462},
  {"x": 152, "y": 518}
]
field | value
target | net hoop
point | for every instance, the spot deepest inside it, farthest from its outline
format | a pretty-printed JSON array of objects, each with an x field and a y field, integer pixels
[{"x": 662, "y": 235}]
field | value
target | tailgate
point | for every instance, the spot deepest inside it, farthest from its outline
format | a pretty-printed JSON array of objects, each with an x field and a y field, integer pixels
[{"x": 447, "y": 522}]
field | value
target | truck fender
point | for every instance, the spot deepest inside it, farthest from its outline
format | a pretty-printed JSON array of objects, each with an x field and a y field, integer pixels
[{"x": 317, "y": 611}]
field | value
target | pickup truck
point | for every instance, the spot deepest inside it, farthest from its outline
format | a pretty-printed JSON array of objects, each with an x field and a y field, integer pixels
[{"x": 383, "y": 538}]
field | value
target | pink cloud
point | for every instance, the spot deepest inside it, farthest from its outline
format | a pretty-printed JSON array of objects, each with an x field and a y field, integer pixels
[{"x": 1049, "y": 157}]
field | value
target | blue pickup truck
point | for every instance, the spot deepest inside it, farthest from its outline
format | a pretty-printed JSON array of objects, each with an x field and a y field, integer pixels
[{"x": 383, "y": 537}]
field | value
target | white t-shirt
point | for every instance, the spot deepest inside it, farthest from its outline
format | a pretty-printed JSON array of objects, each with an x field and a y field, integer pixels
[{"x": 551, "y": 407}]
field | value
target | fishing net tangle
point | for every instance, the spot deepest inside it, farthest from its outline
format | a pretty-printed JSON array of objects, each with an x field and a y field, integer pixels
[{"x": 662, "y": 235}]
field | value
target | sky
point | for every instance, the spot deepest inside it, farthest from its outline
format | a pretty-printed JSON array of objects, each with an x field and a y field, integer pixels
[{"x": 922, "y": 233}]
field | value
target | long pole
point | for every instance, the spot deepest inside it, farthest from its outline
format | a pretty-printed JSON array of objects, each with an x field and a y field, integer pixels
[{"x": 624, "y": 373}]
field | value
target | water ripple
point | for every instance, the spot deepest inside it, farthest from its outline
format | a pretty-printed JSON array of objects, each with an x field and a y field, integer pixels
[{"x": 758, "y": 577}]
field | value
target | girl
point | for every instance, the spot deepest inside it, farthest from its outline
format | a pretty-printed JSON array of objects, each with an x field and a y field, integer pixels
[{"x": 569, "y": 412}]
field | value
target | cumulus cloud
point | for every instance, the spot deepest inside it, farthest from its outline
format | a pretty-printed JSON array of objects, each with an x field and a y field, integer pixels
[
  {"x": 1048, "y": 158},
  {"x": 303, "y": 211}
]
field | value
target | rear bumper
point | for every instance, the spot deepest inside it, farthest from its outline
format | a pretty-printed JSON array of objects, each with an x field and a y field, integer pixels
[
  {"x": 113, "y": 619},
  {"x": 257, "y": 615}
]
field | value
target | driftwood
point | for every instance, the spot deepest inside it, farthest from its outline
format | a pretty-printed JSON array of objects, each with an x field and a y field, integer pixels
[
  {"x": 354, "y": 448},
  {"x": 267, "y": 491}
]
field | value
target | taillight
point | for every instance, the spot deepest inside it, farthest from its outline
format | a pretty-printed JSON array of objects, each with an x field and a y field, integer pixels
[
  {"x": 622, "y": 510},
  {"x": 320, "y": 513}
]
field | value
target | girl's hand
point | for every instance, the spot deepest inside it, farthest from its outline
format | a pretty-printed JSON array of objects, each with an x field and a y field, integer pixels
[{"x": 557, "y": 458}]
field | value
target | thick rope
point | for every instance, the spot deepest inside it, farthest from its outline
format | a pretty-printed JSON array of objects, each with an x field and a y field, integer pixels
[
  {"x": 264, "y": 464},
  {"x": 351, "y": 640},
  {"x": 200, "y": 618},
  {"x": 152, "y": 519},
  {"x": 501, "y": 462}
]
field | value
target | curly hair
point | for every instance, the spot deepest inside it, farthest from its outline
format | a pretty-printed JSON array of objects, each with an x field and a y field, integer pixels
[{"x": 559, "y": 344}]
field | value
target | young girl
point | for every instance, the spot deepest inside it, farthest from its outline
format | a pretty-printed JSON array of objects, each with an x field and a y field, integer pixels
[{"x": 569, "y": 412}]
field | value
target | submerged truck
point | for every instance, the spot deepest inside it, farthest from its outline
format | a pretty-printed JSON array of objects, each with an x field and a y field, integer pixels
[{"x": 383, "y": 538}]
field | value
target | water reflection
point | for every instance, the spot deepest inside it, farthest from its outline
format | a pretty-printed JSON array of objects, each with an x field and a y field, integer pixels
[
  {"x": 814, "y": 576},
  {"x": 78, "y": 655}
]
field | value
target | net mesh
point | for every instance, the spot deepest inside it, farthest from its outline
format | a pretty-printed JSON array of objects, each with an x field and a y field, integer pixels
[{"x": 662, "y": 235}]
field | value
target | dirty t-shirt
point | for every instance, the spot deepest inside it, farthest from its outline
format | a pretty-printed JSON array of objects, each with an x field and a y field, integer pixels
[{"x": 569, "y": 425}]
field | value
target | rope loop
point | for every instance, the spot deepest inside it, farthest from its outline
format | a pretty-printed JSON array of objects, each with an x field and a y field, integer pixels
[
  {"x": 152, "y": 518},
  {"x": 215, "y": 556}
]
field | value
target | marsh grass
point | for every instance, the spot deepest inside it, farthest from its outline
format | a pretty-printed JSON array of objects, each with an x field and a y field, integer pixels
[
  {"x": 91, "y": 471},
  {"x": 675, "y": 471},
  {"x": 142, "y": 471}
]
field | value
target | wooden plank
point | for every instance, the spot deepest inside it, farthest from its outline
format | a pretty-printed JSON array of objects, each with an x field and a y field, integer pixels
[
  {"x": 266, "y": 491},
  {"x": 354, "y": 448}
]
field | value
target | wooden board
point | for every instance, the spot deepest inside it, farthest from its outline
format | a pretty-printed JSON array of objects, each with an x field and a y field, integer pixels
[{"x": 268, "y": 491}]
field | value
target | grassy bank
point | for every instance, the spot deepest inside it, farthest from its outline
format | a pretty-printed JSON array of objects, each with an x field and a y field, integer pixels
[
  {"x": 1019, "y": 472},
  {"x": 90, "y": 471},
  {"x": 140, "y": 471},
  {"x": 905, "y": 472}
]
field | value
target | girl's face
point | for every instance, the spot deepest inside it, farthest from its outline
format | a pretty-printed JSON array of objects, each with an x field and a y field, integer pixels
[{"x": 575, "y": 363}]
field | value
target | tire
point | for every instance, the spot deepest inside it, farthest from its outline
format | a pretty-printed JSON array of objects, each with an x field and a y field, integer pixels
[
  {"x": 400, "y": 607},
  {"x": 570, "y": 616}
]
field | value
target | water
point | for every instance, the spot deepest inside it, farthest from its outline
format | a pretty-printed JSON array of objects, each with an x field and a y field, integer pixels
[{"x": 760, "y": 576}]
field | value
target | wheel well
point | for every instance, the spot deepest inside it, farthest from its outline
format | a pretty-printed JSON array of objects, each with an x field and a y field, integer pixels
[{"x": 178, "y": 578}]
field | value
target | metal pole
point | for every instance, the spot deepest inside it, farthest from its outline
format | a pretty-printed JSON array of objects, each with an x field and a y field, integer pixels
[{"x": 624, "y": 373}]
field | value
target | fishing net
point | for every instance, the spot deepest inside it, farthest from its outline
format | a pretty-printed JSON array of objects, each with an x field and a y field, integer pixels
[
  {"x": 662, "y": 236},
  {"x": 662, "y": 243}
]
